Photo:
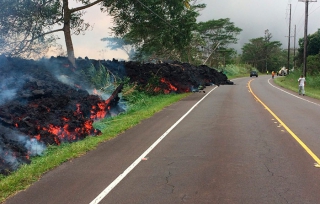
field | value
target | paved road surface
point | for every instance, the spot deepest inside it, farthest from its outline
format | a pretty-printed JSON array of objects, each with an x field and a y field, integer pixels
[{"x": 246, "y": 143}]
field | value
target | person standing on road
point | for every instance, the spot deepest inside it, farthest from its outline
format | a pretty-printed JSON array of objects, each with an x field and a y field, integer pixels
[
  {"x": 302, "y": 82},
  {"x": 272, "y": 73}
]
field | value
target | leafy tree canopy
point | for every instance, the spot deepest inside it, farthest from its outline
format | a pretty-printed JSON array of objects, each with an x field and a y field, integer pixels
[
  {"x": 157, "y": 30},
  {"x": 313, "y": 46},
  {"x": 195, "y": 44},
  {"x": 115, "y": 43},
  {"x": 26, "y": 24},
  {"x": 263, "y": 53},
  {"x": 217, "y": 35}
]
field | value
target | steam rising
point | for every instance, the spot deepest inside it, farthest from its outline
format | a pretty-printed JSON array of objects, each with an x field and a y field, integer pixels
[
  {"x": 9, "y": 159},
  {"x": 11, "y": 139},
  {"x": 65, "y": 79},
  {"x": 7, "y": 95},
  {"x": 37, "y": 110},
  {"x": 8, "y": 89},
  {"x": 34, "y": 147}
]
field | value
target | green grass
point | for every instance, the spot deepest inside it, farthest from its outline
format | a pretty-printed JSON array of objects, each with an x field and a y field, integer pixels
[
  {"x": 235, "y": 71},
  {"x": 290, "y": 81},
  {"x": 312, "y": 87},
  {"x": 144, "y": 108}
]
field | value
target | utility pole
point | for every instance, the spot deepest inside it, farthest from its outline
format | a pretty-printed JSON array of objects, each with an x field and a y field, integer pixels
[
  {"x": 289, "y": 38},
  {"x": 266, "y": 37},
  {"x": 306, "y": 36},
  {"x": 294, "y": 46}
]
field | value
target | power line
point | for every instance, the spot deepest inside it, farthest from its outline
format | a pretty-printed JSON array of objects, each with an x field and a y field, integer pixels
[
  {"x": 159, "y": 16},
  {"x": 305, "y": 35},
  {"x": 295, "y": 8},
  {"x": 314, "y": 10},
  {"x": 312, "y": 5},
  {"x": 300, "y": 25}
]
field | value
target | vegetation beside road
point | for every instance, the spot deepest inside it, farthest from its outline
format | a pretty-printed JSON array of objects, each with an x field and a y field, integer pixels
[
  {"x": 234, "y": 71},
  {"x": 141, "y": 106},
  {"x": 312, "y": 87},
  {"x": 290, "y": 82}
]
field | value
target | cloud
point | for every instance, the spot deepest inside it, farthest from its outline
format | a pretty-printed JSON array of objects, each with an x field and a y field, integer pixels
[
  {"x": 255, "y": 16},
  {"x": 89, "y": 44}
]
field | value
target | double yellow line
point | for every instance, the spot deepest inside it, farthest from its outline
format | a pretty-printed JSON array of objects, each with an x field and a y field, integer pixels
[{"x": 304, "y": 146}]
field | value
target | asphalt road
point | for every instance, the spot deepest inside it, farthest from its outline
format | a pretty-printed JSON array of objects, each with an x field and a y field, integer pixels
[{"x": 245, "y": 143}]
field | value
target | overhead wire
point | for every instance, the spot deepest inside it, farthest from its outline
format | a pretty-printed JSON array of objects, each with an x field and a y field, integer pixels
[
  {"x": 301, "y": 26},
  {"x": 158, "y": 16},
  {"x": 314, "y": 10},
  {"x": 295, "y": 8},
  {"x": 183, "y": 34},
  {"x": 312, "y": 5}
]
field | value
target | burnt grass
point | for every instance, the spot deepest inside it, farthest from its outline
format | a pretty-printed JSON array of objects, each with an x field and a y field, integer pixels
[{"x": 48, "y": 102}]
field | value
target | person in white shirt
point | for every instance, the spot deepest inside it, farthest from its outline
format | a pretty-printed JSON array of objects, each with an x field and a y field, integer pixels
[{"x": 302, "y": 82}]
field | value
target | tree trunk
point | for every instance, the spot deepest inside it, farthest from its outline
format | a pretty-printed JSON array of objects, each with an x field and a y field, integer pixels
[
  {"x": 67, "y": 33},
  {"x": 189, "y": 55}
]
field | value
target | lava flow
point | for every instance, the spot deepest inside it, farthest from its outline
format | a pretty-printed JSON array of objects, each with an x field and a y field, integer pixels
[
  {"x": 170, "y": 86},
  {"x": 44, "y": 102},
  {"x": 43, "y": 111}
]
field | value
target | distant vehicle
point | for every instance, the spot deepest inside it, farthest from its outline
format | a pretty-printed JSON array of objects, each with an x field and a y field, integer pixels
[
  {"x": 253, "y": 73},
  {"x": 282, "y": 72}
]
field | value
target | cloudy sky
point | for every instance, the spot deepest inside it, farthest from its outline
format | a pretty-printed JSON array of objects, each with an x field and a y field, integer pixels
[
  {"x": 256, "y": 16},
  {"x": 252, "y": 16}
]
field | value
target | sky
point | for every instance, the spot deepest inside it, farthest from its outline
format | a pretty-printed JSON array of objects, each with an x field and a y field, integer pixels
[{"x": 254, "y": 17}]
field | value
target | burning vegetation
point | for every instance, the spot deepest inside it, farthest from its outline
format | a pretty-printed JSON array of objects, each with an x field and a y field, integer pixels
[{"x": 49, "y": 102}]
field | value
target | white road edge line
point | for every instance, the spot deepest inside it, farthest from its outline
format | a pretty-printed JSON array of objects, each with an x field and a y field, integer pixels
[
  {"x": 293, "y": 94},
  {"x": 105, "y": 192}
]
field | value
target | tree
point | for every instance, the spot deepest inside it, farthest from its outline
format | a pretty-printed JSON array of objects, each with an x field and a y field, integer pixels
[
  {"x": 115, "y": 43},
  {"x": 20, "y": 26},
  {"x": 28, "y": 23},
  {"x": 313, "y": 49},
  {"x": 313, "y": 65},
  {"x": 261, "y": 51},
  {"x": 217, "y": 35},
  {"x": 252, "y": 52},
  {"x": 157, "y": 30}
]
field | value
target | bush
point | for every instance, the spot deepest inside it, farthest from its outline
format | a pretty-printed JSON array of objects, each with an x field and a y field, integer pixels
[{"x": 237, "y": 70}]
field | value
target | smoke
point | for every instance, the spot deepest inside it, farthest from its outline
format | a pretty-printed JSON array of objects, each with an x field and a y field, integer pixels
[
  {"x": 66, "y": 80},
  {"x": 10, "y": 141},
  {"x": 34, "y": 147},
  {"x": 10, "y": 162},
  {"x": 7, "y": 95},
  {"x": 30, "y": 88},
  {"x": 9, "y": 85},
  {"x": 97, "y": 77}
]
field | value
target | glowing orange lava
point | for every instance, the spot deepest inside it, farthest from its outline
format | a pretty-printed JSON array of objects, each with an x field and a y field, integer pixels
[
  {"x": 171, "y": 87},
  {"x": 38, "y": 137}
]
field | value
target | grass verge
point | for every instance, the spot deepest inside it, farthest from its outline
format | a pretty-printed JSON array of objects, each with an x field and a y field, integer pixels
[
  {"x": 290, "y": 82},
  {"x": 56, "y": 155}
]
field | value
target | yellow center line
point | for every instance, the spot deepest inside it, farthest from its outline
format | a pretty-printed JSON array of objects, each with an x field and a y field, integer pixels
[{"x": 304, "y": 146}]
